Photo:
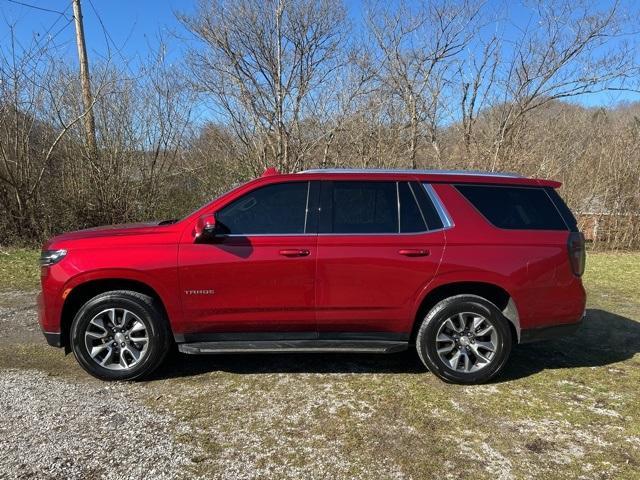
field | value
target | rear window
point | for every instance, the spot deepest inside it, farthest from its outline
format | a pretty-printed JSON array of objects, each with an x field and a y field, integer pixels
[
  {"x": 567, "y": 216},
  {"x": 365, "y": 207},
  {"x": 411, "y": 218},
  {"x": 376, "y": 207},
  {"x": 515, "y": 208}
]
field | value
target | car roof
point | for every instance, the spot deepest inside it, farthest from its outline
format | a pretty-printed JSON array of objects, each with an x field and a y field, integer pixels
[{"x": 433, "y": 176}]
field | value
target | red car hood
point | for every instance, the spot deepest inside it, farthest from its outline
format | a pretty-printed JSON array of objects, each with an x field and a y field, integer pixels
[{"x": 106, "y": 231}]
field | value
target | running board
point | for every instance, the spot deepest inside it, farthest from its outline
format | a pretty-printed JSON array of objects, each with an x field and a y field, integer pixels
[{"x": 289, "y": 346}]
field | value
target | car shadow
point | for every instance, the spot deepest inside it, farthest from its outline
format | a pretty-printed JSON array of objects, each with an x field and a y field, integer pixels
[
  {"x": 181, "y": 365},
  {"x": 604, "y": 338},
  {"x": 238, "y": 246}
]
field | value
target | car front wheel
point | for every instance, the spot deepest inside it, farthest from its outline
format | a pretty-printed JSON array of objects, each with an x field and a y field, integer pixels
[
  {"x": 120, "y": 335},
  {"x": 464, "y": 339}
]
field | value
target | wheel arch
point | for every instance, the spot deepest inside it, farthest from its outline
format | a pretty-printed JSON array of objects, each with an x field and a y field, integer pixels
[
  {"x": 83, "y": 292},
  {"x": 491, "y": 292}
]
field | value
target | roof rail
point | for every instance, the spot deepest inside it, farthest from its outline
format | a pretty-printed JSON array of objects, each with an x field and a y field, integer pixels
[{"x": 411, "y": 171}]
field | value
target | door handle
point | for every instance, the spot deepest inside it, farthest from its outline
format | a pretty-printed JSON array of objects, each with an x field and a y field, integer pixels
[
  {"x": 294, "y": 252},
  {"x": 413, "y": 252}
]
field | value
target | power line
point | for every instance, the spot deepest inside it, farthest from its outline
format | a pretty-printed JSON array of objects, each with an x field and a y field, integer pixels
[
  {"x": 109, "y": 38},
  {"x": 38, "y": 46},
  {"x": 62, "y": 14},
  {"x": 51, "y": 38},
  {"x": 38, "y": 8}
]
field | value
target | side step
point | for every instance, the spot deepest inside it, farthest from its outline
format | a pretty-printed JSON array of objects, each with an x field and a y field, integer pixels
[{"x": 288, "y": 346}]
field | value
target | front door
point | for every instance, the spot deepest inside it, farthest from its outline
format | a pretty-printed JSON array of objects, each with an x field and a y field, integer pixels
[
  {"x": 259, "y": 274},
  {"x": 377, "y": 250}
]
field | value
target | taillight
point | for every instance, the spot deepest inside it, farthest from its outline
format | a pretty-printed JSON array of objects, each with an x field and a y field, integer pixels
[{"x": 577, "y": 253}]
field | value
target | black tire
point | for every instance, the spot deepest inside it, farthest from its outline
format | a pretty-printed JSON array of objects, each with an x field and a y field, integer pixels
[
  {"x": 146, "y": 309},
  {"x": 450, "y": 307}
]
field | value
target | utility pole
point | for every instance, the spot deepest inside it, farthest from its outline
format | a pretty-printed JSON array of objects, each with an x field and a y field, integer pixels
[{"x": 87, "y": 100}]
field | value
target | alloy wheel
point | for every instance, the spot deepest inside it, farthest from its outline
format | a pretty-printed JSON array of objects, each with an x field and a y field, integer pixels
[
  {"x": 467, "y": 342},
  {"x": 116, "y": 339}
]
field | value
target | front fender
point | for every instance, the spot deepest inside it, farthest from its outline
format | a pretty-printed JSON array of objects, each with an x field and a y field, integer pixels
[{"x": 163, "y": 289}]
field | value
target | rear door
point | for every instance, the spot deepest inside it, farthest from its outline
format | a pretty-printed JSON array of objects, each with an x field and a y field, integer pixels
[{"x": 379, "y": 245}]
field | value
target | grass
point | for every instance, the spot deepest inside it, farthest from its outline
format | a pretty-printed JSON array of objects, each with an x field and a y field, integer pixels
[
  {"x": 563, "y": 409},
  {"x": 19, "y": 269},
  {"x": 612, "y": 279}
]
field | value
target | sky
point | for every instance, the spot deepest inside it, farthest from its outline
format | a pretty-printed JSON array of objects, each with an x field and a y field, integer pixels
[
  {"x": 131, "y": 24},
  {"x": 134, "y": 25}
]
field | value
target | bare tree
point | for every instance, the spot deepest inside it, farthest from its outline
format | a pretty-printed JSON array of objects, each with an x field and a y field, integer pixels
[
  {"x": 418, "y": 45},
  {"x": 263, "y": 64},
  {"x": 30, "y": 94},
  {"x": 50, "y": 178},
  {"x": 143, "y": 127},
  {"x": 448, "y": 83},
  {"x": 569, "y": 48},
  {"x": 478, "y": 76}
]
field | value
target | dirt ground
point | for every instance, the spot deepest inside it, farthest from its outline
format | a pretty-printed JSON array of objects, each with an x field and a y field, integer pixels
[{"x": 569, "y": 408}]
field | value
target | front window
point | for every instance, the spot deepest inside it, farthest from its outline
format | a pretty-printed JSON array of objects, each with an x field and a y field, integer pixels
[{"x": 273, "y": 209}]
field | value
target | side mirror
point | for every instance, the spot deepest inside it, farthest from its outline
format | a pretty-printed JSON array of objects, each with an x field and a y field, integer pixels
[{"x": 205, "y": 228}]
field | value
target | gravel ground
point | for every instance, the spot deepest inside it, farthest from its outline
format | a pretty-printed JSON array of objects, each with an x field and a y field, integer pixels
[
  {"x": 55, "y": 427},
  {"x": 52, "y": 428},
  {"x": 18, "y": 322}
]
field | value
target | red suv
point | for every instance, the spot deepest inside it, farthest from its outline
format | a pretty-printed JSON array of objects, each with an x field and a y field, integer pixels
[{"x": 460, "y": 264}]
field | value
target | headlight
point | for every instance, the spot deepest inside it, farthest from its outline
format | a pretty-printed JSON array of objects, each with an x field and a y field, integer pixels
[{"x": 50, "y": 257}]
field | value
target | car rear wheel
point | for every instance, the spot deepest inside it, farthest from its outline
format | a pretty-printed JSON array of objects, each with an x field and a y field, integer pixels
[
  {"x": 464, "y": 339},
  {"x": 120, "y": 335}
]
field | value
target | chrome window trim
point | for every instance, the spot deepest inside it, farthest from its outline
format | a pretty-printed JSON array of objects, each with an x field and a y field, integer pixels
[
  {"x": 405, "y": 234},
  {"x": 330, "y": 234},
  {"x": 447, "y": 222},
  {"x": 239, "y": 235},
  {"x": 306, "y": 208}
]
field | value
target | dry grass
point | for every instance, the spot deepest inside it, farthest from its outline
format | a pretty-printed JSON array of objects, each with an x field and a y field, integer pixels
[{"x": 19, "y": 269}]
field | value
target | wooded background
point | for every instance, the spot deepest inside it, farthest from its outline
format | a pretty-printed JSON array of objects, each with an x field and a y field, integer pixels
[{"x": 296, "y": 84}]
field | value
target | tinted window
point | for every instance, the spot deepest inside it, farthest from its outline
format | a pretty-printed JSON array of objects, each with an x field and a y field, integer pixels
[
  {"x": 514, "y": 207},
  {"x": 364, "y": 207},
  {"x": 430, "y": 213},
  {"x": 411, "y": 219},
  {"x": 274, "y": 209},
  {"x": 568, "y": 217}
]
